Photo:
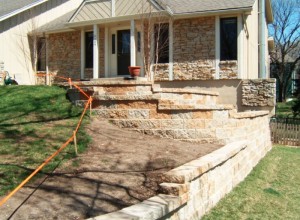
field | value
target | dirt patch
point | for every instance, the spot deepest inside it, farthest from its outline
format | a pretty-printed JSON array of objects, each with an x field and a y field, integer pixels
[{"x": 120, "y": 168}]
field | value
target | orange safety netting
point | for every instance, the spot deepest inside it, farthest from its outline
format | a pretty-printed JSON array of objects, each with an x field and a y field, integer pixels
[{"x": 88, "y": 104}]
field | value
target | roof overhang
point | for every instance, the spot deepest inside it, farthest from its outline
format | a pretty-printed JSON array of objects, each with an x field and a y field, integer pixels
[
  {"x": 269, "y": 12},
  {"x": 213, "y": 12},
  {"x": 13, "y": 13}
]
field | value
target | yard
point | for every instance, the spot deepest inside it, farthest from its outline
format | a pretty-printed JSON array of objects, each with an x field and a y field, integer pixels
[
  {"x": 271, "y": 191},
  {"x": 118, "y": 169}
]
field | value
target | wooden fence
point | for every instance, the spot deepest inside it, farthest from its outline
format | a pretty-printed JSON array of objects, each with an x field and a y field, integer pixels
[{"x": 285, "y": 131}]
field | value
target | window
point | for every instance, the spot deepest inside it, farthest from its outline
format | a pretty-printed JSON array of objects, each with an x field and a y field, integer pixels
[
  {"x": 161, "y": 43},
  {"x": 89, "y": 38},
  {"x": 41, "y": 54},
  {"x": 228, "y": 38}
]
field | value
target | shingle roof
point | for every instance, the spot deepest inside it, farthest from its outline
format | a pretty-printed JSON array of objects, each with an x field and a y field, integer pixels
[
  {"x": 192, "y": 6},
  {"x": 9, "y": 6}
]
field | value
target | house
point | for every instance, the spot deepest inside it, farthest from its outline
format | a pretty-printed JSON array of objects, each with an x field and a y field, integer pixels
[{"x": 199, "y": 40}]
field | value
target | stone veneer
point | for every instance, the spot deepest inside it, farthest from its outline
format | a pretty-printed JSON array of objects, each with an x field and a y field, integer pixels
[
  {"x": 64, "y": 55},
  {"x": 259, "y": 92},
  {"x": 228, "y": 69},
  {"x": 194, "y": 48}
]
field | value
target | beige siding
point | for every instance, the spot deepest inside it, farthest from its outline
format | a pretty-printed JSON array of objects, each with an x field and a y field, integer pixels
[
  {"x": 14, "y": 43},
  {"x": 94, "y": 11},
  {"x": 131, "y": 7}
]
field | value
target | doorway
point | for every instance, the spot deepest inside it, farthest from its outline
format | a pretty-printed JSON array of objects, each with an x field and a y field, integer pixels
[{"x": 123, "y": 51}]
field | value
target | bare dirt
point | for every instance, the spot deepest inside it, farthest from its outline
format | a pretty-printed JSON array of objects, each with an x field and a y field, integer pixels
[{"x": 119, "y": 169}]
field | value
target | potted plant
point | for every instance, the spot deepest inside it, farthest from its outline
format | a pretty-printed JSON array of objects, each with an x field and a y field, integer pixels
[{"x": 134, "y": 70}]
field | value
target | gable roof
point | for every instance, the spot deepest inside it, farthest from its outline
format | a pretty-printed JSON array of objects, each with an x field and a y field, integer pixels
[
  {"x": 194, "y": 6},
  {"x": 9, "y": 8}
]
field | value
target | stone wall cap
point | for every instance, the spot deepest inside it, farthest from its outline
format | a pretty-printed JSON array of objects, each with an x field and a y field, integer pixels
[
  {"x": 195, "y": 168},
  {"x": 249, "y": 114},
  {"x": 184, "y": 90}
]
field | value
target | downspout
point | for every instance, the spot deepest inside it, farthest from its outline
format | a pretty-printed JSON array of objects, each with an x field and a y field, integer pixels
[{"x": 262, "y": 44}]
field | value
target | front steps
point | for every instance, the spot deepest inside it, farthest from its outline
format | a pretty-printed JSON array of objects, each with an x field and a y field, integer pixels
[{"x": 183, "y": 114}]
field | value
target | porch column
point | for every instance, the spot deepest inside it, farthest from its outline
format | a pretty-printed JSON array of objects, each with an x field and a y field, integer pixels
[
  {"x": 132, "y": 43},
  {"x": 82, "y": 54},
  {"x": 106, "y": 52},
  {"x": 96, "y": 52},
  {"x": 171, "y": 76},
  {"x": 240, "y": 48},
  {"x": 48, "y": 77},
  {"x": 217, "y": 49}
]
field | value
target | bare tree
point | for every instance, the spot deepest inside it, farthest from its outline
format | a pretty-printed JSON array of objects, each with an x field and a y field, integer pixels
[
  {"x": 286, "y": 32},
  {"x": 154, "y": 45}
]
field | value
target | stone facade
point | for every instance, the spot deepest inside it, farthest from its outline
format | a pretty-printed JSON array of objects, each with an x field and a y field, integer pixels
[
  {"x": 64, "y": 55},
  {"x": 259, "y": 92},
  {"x": 228, "y": 69},
  {"x": 194, "y": 48},
  {"x": 161, "y": 72}
]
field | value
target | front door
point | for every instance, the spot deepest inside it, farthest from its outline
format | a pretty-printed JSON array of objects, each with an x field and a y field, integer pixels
[{"x": 123, "y": 51}]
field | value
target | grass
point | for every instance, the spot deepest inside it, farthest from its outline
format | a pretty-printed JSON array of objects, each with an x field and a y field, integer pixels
[
  {"x": 34, "y": 122},
  {"x": 284, "y": 109},
  {"x": 271, "y": 191}
]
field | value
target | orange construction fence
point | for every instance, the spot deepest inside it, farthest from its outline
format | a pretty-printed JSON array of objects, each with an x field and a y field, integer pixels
[{"x": 88, "y": 105}]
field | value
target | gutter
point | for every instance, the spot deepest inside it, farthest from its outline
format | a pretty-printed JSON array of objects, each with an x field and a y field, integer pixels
[
  {"x": 13, "y": 13},
  {"x": 262, "y": 35},
  {"x": 212, "y": 12}
]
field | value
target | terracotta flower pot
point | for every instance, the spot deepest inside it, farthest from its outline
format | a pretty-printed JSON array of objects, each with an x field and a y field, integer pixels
[{"x": 134, "y": 70}]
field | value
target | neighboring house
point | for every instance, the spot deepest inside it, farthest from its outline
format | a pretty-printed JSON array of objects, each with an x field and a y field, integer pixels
[
  {"x": 203, "y": 39},
  {"x": 294, "y": 81}
]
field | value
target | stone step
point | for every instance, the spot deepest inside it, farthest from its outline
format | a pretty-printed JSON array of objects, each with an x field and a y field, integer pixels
[
  {"x": 177, "y": 105},
  {"x": 129, "y": 97},
  {"x": 157, "y": 89}
]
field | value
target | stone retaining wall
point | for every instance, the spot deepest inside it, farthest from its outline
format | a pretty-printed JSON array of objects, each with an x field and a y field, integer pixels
[{"x": 191, "y": 190}]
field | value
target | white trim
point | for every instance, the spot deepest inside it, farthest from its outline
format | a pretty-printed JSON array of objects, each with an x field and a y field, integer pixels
[
  {"x": 171, "y": 36},
  {"x": 47, "y": 61},
  {"x": 217, "y": 47},
  {"x": 152, "y": 55},
  {"x": 106, "y": 52},
  {"x": 82, "y": 54},
  {"x": 96, "y": 52},
  {"x": 18, "y": 11},
  {"x": 113, "y": 8},
  {"x": 240, "y": 47},
  {"x": 132, "y": 43}
]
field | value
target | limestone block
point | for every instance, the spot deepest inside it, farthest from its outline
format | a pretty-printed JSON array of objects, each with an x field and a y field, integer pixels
[
  {"x": 220, "y": 114},
  {"x": 172, "y": 124},
  {"x": 138, "y": 114},
  {"x": 202, "y": 115},
  {"x": 194, "y": 123},
  {"x": 181, "y": 133},
  {"x": 174, "y": 188},
  {"x": 182, "y": 115},
  {"x": 160, "y": 114}
]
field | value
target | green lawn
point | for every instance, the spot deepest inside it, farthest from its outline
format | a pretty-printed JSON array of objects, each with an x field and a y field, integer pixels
[
  {"x": 284, "y": 109},
  {"x": 271, "y": 191},
  {"x": 34, "y": 122}
]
